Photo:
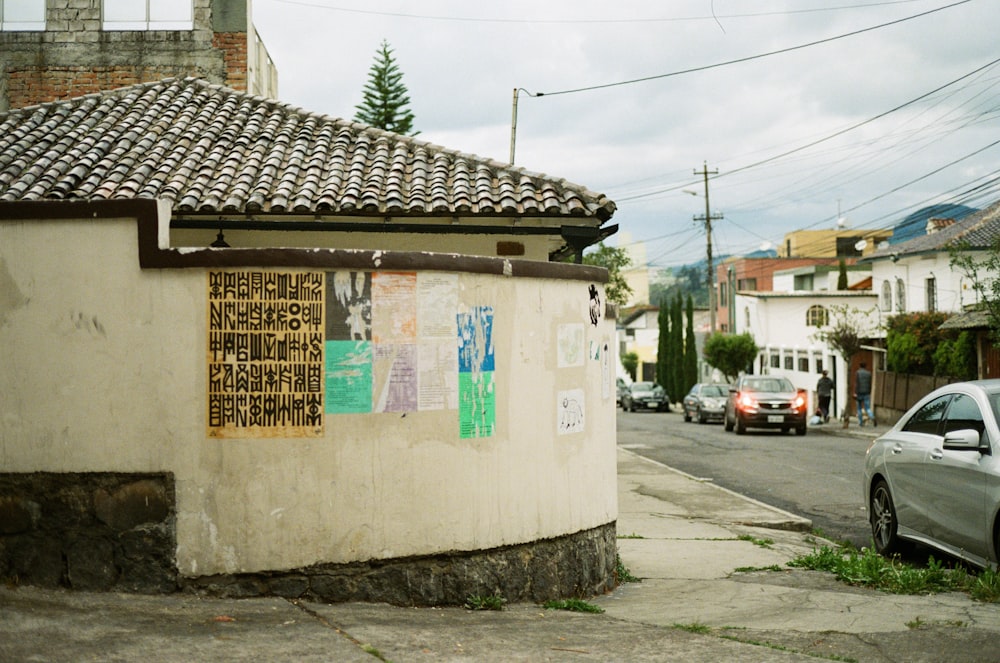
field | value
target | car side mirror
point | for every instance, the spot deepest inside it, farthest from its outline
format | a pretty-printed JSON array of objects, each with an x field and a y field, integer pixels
[{"x": 966, "y": 439}]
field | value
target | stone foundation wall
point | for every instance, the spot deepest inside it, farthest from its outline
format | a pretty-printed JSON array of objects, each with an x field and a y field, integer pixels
[
  {"x": 89, "y": 531},
  {"x": 115, "y": 532},
  {"x": 579, "y": 565}
]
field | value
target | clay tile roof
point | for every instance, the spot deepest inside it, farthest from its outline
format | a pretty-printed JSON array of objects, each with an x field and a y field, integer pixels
[{"x": 209, "y": 150}]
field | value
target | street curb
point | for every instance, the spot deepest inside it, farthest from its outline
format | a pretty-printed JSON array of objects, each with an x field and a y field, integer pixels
[{"x": 788, "y": 521}]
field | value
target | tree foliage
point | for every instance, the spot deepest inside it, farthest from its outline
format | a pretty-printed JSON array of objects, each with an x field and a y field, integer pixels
[
  {"x": 847, "y": 330},
  {"x": 616, "y": 261},
  {"x": 915, "y": 344},
  {"x": 677, "y": 390},
  {"x": 663, "y": 346},
  {"x": 730, "y": 353},
  {"x": 386, "y": 103},
  {"x": 630, "y": 362},
  {"x": 688, "y": 280},
  {"x": 690, "y": 350},
  {"x": 982, "y": 271}
]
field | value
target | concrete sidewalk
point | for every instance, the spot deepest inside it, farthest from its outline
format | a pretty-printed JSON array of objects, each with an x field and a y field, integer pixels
[{"x": 683, "y": 537}]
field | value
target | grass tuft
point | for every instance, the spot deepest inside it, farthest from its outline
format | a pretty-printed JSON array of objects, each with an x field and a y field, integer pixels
[
  {"x": 493, "y": 602},
  {"x": 866, "y": 568},
  {"x": 573, "y": 605}
]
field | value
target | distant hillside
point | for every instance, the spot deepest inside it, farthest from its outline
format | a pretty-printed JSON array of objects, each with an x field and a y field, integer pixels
[{"x": 915, "y": 224}]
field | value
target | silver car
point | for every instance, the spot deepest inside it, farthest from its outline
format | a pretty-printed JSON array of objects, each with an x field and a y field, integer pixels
[{"x": 935, "y": 476}]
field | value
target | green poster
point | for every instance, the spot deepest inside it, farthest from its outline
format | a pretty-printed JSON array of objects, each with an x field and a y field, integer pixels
[
  {"x": 476, "y": 404},
  {"x": 348, "y": 377}
]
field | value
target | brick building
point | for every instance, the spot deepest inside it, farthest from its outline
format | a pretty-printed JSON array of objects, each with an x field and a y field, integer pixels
[{"x": 59, "y": 49}]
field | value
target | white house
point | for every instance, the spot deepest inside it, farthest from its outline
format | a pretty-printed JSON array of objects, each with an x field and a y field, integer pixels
[{"x": 917, "y": 275}]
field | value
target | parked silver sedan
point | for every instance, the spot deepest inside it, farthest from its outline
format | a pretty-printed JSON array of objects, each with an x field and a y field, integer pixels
[
  {"x": 706, "y": 402},
  {"x": 935, "y": 476}
]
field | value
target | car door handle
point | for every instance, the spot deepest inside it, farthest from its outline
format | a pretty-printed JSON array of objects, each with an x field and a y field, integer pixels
[
  {"x": 897, "y": 449},
  {"x": 937, "y": 454}
]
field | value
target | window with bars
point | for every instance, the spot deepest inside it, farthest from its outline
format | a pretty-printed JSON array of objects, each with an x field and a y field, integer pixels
[{"x": 931, "y": 289}]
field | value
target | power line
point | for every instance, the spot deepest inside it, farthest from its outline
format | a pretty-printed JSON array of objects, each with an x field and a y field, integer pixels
[
  {"x": 752, "y": 57},
  {"x": 584, "y": 21}
]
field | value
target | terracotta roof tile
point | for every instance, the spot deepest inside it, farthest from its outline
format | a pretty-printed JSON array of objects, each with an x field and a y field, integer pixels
[{"x": 209, "y": 149}]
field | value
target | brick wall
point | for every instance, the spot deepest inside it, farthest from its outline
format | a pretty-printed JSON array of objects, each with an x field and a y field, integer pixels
[
  {"x": 75, "y": 56},
  {"x": 233, "y": 46},
  {"x": 35, "y": 85}
]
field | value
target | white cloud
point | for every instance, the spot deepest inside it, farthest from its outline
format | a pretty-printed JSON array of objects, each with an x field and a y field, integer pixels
[{"x": 643, "y": 137}]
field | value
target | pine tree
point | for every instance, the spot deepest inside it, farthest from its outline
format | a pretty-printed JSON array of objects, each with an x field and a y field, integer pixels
[{"x": 385, "y": 98}]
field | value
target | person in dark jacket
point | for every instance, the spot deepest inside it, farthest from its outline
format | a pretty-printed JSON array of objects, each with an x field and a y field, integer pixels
[
  {"x": 824, "y": 391},
  {"x": 863, "y": 394}
]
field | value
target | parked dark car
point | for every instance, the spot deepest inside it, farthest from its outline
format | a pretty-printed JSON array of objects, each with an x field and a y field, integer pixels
[
  {"x": 706, "y": 402},
  {"x": 765, "y": 401},
  {"x": 646, "y": 396},
  {"x": 934, "y": 477}
]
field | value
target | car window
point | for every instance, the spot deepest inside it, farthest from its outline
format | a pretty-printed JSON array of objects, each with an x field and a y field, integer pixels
[
  {"x": 712, "y": 391},
  {"x": 928, "y": 418},
  {"x": 964, "y": 413},
  {"x": 768, "y": 384}
]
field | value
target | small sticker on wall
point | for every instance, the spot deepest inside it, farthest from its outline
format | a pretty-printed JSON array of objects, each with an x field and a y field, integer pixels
[
  {"x": 571, "y": 411},
  {"x": 570, "y": 345}
]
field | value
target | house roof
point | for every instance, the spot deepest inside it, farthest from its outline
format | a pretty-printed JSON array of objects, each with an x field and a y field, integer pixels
[
  {"x": 979, "y": 230},
  {"x": 212, "y": 150},
  {"x": 973, "y": 319}
]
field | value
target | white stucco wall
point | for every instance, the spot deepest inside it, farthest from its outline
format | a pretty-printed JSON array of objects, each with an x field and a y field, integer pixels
[
  {"x": 778, "y": 325},
  {"x": 104, "y": 369},
  {"x": 954, "y": 289}
]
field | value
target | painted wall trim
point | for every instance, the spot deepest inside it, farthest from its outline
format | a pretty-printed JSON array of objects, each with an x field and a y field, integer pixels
[{"x": 153, "y": 219}]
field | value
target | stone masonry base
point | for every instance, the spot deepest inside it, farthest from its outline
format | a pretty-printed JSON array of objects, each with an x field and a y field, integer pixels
[
  {"x": 574, "y": 566},
  {"x": 104, "y": 531}
]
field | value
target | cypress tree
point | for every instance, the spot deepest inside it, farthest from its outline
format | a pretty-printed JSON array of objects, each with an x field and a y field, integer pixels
[
  {"x": 386, "y": 101},
  {"x": 663, "y": 345},
  {"x": 677, "y": 349},
  {"x": 690, "y": 349}
]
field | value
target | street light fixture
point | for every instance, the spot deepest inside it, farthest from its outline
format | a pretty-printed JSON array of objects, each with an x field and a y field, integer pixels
[{"x": 513, "y": 118}]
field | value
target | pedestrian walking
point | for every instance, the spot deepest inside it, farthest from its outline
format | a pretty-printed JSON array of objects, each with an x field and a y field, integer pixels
[
  {"x": 824, "y": 391},
  {"x": 863, "y": 394}
]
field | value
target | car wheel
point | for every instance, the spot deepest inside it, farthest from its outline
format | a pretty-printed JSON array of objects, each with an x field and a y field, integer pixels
[
  {"x": 728, "y": 425},
  {"x": 631, "y": 407},
  {"x": 687, "y": 417},
  {"x": 882, "y": 515},
  {"x": 701, "y": 417},
  {"x": 741, "y": 427},
  {"x": 801, "y": 430}
]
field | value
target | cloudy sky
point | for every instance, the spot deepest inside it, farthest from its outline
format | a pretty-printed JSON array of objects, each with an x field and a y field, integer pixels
[{"x": 809, "y": 110}]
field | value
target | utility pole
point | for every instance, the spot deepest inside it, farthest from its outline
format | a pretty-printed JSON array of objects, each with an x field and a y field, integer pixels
[{"x": 708, "y": 218}]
